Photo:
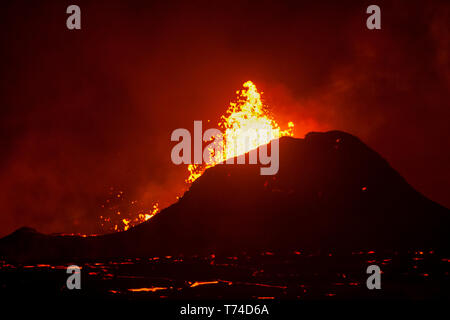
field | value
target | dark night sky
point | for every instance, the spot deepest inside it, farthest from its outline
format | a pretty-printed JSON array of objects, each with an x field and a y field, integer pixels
[{"x": 83, "y": 111}]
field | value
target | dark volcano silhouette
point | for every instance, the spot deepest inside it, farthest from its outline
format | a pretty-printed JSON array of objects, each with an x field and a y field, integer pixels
[{"x": 331, "y": 191}]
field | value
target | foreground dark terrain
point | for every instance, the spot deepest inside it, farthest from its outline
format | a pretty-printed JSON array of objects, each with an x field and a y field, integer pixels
[
  {"x": 266, "y": 275},
  {"x": 309, "y": 232}
]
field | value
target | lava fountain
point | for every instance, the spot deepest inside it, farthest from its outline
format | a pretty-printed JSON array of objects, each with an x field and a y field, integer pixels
[
  {"x": 243, "y": 117},
  {"x": 247, "y": 114}
]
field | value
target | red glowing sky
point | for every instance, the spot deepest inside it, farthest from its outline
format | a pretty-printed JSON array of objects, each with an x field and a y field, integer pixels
[{"x": 86, "y": 110}]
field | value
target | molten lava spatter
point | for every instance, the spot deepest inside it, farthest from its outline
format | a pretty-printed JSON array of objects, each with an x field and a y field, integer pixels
[
  {"x": 121, "y": 214},
  {"x": 243, "y": 118},
  {"x": 142, "y": 217}
]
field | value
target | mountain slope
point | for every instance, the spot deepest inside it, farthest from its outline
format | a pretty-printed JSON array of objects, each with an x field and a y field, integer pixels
[{"x": 331, "y": 191}]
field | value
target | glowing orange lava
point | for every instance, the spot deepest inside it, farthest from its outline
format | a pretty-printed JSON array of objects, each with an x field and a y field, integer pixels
[
  {"x": 241, "y": 120},
  {"x": 116, "y": 222}
]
